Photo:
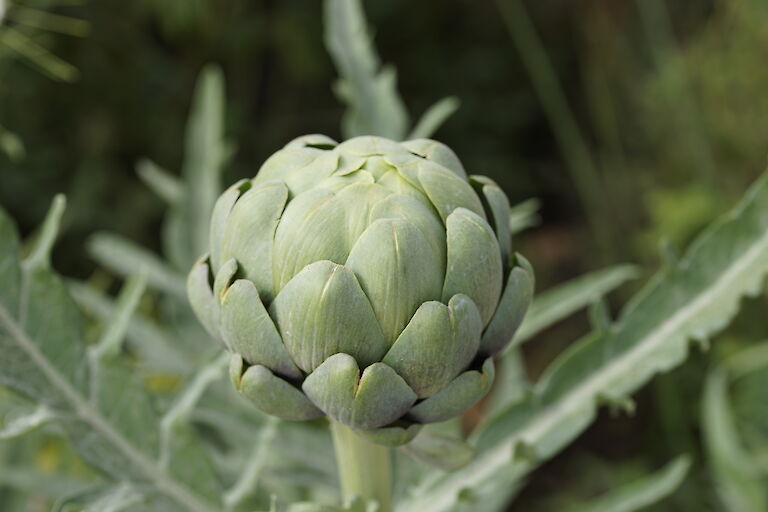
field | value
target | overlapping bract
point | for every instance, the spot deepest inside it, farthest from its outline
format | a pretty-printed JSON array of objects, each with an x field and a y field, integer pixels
[{"x": 370, "y": 281}]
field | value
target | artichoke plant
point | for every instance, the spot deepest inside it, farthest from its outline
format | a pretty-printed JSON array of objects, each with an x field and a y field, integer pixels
[{"x": 369, "y": 281}]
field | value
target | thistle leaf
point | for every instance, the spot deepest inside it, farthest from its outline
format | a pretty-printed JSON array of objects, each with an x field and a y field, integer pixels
[
  {"x": 434, "y": 117},
  {"x": 561, "y": 301},
  {"x": 737, "y": 482},
  {"x": 642, "y": 493},
  {"x": 373, "y": 104},
  {"x": 41, "y": 338},
  {"x": 692, "y": 300}
]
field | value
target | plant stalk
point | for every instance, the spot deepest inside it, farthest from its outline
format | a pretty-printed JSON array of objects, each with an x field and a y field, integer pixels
[{"x": 365, "y": 468}]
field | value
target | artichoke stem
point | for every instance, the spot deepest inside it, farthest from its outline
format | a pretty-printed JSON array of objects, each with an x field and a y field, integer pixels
[{"x": 365, "y": 468}]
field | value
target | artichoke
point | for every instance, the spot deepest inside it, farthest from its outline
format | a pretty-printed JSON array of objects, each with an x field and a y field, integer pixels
[{"x": 370, "y": 281}]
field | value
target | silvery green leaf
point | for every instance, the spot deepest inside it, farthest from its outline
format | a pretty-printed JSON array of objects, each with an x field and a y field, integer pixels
[
  {"x": 34, "y": 299},
  {"x": 439, "y": 450},
  {"x": 557, "y": 303},
  {"x": 641, "y": 493},
  {"x": 41, "y": 337},
  {"x": 123, "y": 404},
  {"x": 357, "y": 505},
  {"x": 373, "y": 104},
  {"x": 111, "y": 341},
  {"x": 42, "y": 483},
  {"x": 126, "y": 258},
  {"x": 693, "y": 299},
  {"x": 12, "y": 145},
  {"x": 250, "y": 475},
  {"x": 17, "y": 423},
  {"x": 434, "y": 117},
  {"x": 105, "y": 498},
  {"x": 523, "y": 216},
  {"x": 167, "y": 186},
  {"x": 738, "y": 482},
  {"x": 205, "y": 153},
  {"x": 155, "y": 346}
]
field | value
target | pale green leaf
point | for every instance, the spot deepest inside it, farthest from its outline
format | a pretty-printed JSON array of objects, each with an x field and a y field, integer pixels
[
  {"x": 126, "y": 258},
  {"x": 205, "y": 153},
  {"x": 110, "y": 343},
  {"x": 167, "y": 186},
  {"x": 43, "y": 352},
  {"x": 18, "y": 423},
  {"x": 563, "y": 300},
  {"x": 738, "y": 482},
  {"x": 434, "y": 117},
  {"x": 157, "y": 348},
  {"x": 11, "y": 145},
  {"x": 40, "y": 483},
  {"x": 642, "y": 493},
  {"x": 373, "y": 104},
  {"x": 112, "y": 498},
  {"x": 178, "y": 414},
  {"x": 250, "y": 475},
  {"x": 692, "y": 300},
  {"x": 440, "y": 450},
  {"x": 524, "y": 215}
]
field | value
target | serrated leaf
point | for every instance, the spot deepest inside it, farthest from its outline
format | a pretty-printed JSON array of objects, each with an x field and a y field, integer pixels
[
  {"x": 43, "y": 354},
  {"x": 557, "y": 303},
  {"x": 205, "y": 153},
  {"x": 17, "y": 424},
  {"x": 126, "y": 258},
  {"x": 434, "y": 117},
  {"x": 40, "y": 483},
  {"x": 110, "y": 343},
  {"x": 373, "y": 104},
  {"x": 180, "y": 449},
  {"x": 440, "y": 450},
  {"x": 155, "y": 346},
  {"x": 167, "y": 186},
  {"x": 251, "y": 473},
  {"x": 120, "y": 401},
  {"x": 112, "y": 498},
  {"x": 39, "y": 299},
  {"x": 693, "y": 299},
  {"x": 642, "y": 493},
  {"x": 12, "y": 145},
  {"x": 737, "y": 482},
  {"x": 523, "y": 216}
]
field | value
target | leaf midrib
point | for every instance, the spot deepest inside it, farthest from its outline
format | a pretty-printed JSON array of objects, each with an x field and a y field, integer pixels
[
  {"x": 88, "y": 414},
  {"x": 575, "y": 400}
]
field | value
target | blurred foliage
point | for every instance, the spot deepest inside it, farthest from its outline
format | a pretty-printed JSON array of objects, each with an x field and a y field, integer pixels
[{"x": 666, "y": 96}]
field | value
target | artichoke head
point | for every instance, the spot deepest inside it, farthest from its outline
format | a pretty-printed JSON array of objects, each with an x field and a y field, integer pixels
[{"x": 370, "y": 281}]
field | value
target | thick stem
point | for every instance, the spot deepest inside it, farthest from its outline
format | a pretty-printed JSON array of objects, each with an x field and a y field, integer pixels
[{"x": 365, "y": 468}]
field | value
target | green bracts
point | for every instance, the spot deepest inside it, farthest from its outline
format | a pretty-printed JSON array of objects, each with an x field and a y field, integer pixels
[{"x": 370, "y": 281}]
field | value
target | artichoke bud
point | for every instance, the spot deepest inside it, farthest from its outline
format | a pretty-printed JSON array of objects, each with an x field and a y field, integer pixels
[{"x": 370, "y": 281}]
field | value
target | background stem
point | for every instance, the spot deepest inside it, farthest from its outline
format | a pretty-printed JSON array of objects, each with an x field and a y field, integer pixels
[{"x": 364, "y": 468}]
